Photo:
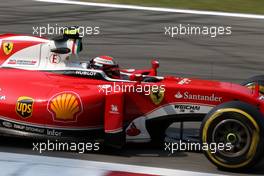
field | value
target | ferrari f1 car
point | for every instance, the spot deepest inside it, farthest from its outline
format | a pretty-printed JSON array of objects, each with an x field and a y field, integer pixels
[{"x": 44, "y": 94}]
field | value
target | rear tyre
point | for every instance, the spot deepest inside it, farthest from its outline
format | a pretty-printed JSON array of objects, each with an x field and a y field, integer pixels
[{"x": 239, "y": 127}]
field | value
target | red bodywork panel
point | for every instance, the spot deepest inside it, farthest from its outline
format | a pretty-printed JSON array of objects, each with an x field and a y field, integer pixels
[{"x": 43, "y": 98}]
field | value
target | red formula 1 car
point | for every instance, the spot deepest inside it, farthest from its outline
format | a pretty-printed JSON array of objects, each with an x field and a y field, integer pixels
[{"x": 45, "y": 94}]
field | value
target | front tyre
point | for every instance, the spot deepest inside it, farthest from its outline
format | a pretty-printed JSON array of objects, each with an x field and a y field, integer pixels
[{"x": 239, "y": 127}]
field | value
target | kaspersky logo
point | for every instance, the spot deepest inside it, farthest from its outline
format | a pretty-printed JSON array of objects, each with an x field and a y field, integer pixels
[
  {"x": 190, "y": 96},
  {"x": 65, "y": 106},
  {"x": 24, "y": 106}
]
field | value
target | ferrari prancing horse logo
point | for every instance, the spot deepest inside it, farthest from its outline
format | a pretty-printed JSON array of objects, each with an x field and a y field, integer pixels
[
  {"x": 157, "y": 96},
  {"x": 7, "y": 47}
]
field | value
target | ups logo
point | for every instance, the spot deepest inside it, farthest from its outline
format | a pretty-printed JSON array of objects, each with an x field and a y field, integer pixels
[{"x": 24, "y": 106}]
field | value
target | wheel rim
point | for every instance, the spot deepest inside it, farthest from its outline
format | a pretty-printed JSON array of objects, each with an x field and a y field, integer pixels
[{"x": 235, "y": 132}]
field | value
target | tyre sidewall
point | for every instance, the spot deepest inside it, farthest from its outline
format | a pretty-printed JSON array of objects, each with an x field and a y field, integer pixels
[{"x": 257, "y": 135}]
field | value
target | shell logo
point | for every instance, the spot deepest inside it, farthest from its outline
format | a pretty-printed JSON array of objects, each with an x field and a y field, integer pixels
[{"x": 65, "y": 106}]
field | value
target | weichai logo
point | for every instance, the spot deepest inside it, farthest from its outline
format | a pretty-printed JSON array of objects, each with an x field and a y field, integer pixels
[{"x": 24, "y": 106}]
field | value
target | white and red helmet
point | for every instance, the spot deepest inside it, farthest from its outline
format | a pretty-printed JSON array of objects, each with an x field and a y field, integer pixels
[{"x": 107, "y": 64}]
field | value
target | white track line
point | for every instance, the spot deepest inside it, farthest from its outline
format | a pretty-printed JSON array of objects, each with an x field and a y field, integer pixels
[
  {"x": 135, "y": 7},
  {"x": 11, "y": 164}
]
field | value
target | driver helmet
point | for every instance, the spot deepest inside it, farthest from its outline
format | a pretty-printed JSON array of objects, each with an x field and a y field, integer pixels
[{"x": 107, "y": 64}]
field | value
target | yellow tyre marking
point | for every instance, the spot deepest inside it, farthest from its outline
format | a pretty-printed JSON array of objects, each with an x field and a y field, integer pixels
[{"x": 255, "y": 138}]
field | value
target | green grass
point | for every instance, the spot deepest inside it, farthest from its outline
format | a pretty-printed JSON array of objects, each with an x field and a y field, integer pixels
[{"x": 241, "y": 6}]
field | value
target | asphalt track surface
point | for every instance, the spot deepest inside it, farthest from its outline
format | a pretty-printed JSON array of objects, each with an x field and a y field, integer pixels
[{"x": 135, "y": 37}]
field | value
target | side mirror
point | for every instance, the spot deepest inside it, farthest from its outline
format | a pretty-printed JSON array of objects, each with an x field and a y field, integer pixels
[
  {"x": 136, "y": 77},
  {"x": 155, "y": 64}
]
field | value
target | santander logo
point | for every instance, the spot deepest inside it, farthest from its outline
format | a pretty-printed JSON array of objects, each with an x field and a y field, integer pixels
[
  {"x": 189, "y": 96},
  {"x": 178, "y": 95}
]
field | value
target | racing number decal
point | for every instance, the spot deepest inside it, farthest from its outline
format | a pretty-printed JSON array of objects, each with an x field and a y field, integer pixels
[
  {"x": 157, "y": 96},
  {"x": 55, "y": 59},
  {"x": 7, "y": 47},
  {"x": 24, "y": 106}
]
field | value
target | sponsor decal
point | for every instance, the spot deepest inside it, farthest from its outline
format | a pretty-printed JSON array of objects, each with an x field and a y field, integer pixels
[
  {"x": 133, "y": 130},
  {"x": 190, "y": 96},
  {"x": 7, "y": 47},
  {"x": 104, "y": 60},
  {"x": 130, "y": 70},
  {"x": 55, "y": 59},
  {"x": 53, "y": 133},
  {"x": 114, "y": 109},
  {"x": 181, "y": 108},
  {"x": 23, "y": 127},
  {"x": 261, "y": 97},
  {"x": 65, "y": 106},
  {"x": 7, "y": 124},
  {"x": 157, "y": 96},
  {"x": 2, "y": 97},
  {"x": 85, "y": 73},
  {"x": 34, "y": 129},
  {"x": 178, "y": 95},
  {"x": 187, "y": 108},
  {"x": 24, "y": 106},
  {"x": 19, "y": 127},
  {"x": 26, "y": 62},
  {"x": 22, "y": 62},
  {"x": 12, "y": 61},
  {"x": 184, "y": 81}
]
